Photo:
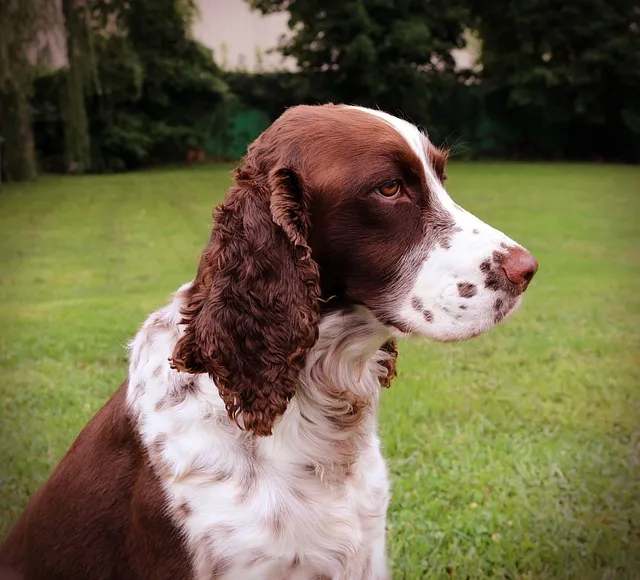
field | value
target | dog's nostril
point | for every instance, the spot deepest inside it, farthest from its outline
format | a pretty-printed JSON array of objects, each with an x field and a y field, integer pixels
[{"x": 519, "y": 266}]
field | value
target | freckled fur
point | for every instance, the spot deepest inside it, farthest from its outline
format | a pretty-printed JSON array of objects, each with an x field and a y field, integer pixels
[
  {"x": 298, "y": 473},
  {"x": 467, "y": 290}
]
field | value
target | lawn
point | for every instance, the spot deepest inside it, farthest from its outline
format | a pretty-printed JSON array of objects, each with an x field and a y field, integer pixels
[{"x": 515, "y": 455}]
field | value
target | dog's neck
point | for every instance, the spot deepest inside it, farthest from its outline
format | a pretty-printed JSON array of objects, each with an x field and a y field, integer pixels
[
  {"x": 342, "y": 369},
  {"x": 329, "y": 422},
  {"x": 334, "y": 411}
]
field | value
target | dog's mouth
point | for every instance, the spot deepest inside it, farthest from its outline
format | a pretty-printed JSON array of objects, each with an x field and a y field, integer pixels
[{"x": 464, "y": 325}]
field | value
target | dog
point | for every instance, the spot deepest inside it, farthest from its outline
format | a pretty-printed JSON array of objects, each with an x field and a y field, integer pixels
[{"x": 243, "y": 442}]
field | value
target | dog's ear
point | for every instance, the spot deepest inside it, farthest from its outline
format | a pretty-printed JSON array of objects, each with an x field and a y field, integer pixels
[{"x": 252, "y": 312}]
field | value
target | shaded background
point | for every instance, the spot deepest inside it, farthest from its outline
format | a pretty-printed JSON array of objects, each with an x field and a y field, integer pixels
[{"x": 111, "y": 85}]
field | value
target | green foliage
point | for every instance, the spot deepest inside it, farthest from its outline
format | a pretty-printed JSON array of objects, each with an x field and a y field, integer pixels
[
  {"x": 564, "y": 76},
  {"x": 157, "y": 108},
  {"x": 271, "y": 92},
  {"x": 155, "y": 88},
  {"x": 515, "y": 455},
  {"x": 557, "y": 81},
  {"x": 391, "y": 54},
  {"x": 159, "y": 87}
]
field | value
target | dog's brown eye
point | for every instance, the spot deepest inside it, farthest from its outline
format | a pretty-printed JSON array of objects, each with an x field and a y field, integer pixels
[{"x": 389, "y": 189}]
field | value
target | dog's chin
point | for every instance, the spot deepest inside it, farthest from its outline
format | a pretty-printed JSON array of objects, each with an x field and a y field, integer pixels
[{"x": 459, "y": 330}]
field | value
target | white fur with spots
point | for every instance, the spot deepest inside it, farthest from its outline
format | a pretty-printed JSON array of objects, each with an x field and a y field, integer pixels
[
  {"x": 444, "y": 314},
  {"x": 309, "y": 500}
]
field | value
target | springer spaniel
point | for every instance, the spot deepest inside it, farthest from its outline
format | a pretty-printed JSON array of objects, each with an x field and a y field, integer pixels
[{"x": 243, "y": 443}]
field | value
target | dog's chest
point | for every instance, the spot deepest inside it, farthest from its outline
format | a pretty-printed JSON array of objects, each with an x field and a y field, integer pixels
[
  {"x": 308, "y": 501},
  {"x": 267, "y": 516}
]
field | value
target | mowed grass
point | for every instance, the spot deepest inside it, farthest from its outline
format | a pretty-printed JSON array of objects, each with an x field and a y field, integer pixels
[{"x": 515, "y": 455}]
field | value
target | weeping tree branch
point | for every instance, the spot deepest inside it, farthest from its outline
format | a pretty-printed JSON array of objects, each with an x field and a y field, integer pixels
[
  {"x": 25, "y": 34},
  {"x": 79, "y": 74}
]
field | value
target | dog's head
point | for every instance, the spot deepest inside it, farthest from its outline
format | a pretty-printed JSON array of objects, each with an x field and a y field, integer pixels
[{"x": 336, "y": 206}]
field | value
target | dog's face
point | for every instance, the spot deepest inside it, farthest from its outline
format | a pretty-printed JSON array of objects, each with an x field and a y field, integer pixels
[
  {"x": 386, "y": 234},
  {"x": 336, "y": 206}
]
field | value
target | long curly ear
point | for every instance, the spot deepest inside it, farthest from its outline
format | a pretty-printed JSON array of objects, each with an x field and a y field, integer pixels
[{"x": 252, "y": 312}]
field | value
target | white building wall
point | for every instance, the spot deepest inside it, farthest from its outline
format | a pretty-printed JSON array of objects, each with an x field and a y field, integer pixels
[{"x": 241, "y": 37}]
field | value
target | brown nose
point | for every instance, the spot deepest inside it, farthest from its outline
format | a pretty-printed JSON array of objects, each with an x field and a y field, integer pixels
[{"x": 519, "y": 266}]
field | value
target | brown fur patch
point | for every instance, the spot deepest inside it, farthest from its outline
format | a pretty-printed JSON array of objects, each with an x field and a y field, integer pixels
[
  {"x": 220, "y": 567},
  {"x": 257, "y": 557},
  {"x": 437, "y": 159},
  {"x": 467, "y": 290},
  {"x": 276, "y": 519},
  {"x": 248, "y": 483},
  {"x": 390, "y": 364},
  {"x": 495, "y": 279},
  {"x": 183, "y": 511},
  {"x": 106, "y": 477},
  {"x": 177, "y": 396},
  {"x": 428, "y": 315}
]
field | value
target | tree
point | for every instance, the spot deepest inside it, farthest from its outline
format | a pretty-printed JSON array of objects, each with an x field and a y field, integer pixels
[
  {"x": 391, "y": 54},
  {"x": 158, "y": 85},
  {"x": 564, "y": 76},
  {"x": 24, "y": 29},
  {"x": 80, "y": 65},
  {"x": 139, "y": 89}
]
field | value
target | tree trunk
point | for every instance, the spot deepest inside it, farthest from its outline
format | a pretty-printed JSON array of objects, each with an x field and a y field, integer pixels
[
  {"x": 76, "y": 124},
  {"x": 18, "y": 151}
]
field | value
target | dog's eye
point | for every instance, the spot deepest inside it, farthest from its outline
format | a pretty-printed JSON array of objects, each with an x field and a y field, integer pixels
[{"x": 389, "y": 189}]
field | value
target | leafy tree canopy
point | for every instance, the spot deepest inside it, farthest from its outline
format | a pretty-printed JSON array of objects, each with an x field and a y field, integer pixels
[
  {"x": 392, "y": 54},
  {"x": 573, "y": 64},
  {"x": 150, "y": 90},
  {"x": 158, "y": 83}
]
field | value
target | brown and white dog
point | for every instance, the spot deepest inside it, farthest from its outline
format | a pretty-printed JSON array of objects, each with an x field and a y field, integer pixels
[{"x": 243, "y": 443}]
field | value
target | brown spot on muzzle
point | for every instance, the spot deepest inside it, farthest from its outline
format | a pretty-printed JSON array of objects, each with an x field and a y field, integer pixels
[{"x": 467, "y": 290}]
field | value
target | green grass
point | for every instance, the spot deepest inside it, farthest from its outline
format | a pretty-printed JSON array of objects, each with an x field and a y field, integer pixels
[{"x": 515, "y": 455}]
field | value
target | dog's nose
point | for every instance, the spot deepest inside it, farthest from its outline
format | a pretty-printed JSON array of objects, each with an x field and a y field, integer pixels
[{"x": 519, "y": 266}]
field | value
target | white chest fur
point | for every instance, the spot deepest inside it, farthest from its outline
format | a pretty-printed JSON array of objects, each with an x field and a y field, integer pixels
[{"x": 309, "y": 501}]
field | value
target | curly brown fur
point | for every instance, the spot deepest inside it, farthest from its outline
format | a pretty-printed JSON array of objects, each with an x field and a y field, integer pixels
[
  {"x": 390, "y": 347},
  {"x": 252, "y": 313}
]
